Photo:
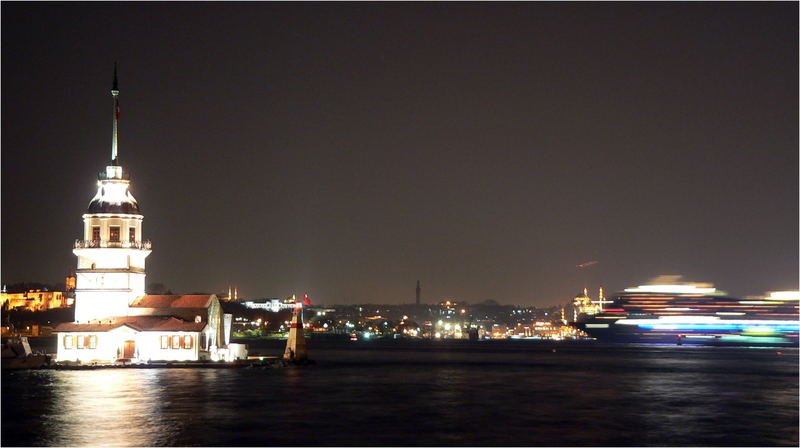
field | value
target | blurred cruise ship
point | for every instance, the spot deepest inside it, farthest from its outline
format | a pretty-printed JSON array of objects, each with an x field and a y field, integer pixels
[{"x": 692, "y": 313}]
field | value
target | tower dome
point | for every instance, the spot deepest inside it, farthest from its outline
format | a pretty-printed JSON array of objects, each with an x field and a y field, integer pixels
[{"x": 113, "y": 195}]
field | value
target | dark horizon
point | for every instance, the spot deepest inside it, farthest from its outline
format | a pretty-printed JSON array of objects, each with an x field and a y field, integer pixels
[{"x": 349, "y": 150}]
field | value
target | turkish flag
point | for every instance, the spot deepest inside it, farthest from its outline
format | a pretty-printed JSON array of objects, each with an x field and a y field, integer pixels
[{"x": 306, "y": 301}]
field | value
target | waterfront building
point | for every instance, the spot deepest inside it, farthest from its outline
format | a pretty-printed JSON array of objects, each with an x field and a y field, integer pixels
[
  {"x": 114, "y": 318},
  {"x": 273, "y": 305},
  {"x": 35, "y": 300}
]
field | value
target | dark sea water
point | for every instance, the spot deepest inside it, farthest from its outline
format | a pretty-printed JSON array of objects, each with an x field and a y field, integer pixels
[{"x": 506, "y": 393}]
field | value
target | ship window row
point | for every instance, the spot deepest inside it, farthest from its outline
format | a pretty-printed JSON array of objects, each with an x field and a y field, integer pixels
[
  {"x": 80, "y": 341},
  {"x": 177, "y": 342}
]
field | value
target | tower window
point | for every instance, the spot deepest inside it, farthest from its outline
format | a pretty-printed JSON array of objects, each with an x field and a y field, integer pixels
[
  {"x": 113, "y": 234},
  {"x": 95, "y": 233},
  {"x": 132, "y": 234}
]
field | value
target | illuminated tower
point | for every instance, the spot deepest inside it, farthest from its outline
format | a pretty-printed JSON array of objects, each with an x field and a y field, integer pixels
[
  {"x": 112, "y": 253},
  {"x": 419, "y": 290}
]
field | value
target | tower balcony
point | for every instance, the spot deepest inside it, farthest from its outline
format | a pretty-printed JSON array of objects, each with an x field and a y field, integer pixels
[{"x": 92, "y": 244}]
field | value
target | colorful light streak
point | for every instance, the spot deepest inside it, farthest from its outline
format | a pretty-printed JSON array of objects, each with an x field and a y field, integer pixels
[{"x": 672, "y": 289}]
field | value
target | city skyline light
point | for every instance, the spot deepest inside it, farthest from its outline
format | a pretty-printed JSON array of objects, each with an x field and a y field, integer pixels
[{"x": 348, "y": 150}]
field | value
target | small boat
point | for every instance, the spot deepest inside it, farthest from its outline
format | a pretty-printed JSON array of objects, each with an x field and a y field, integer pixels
[{"x": 17, "y": 354}]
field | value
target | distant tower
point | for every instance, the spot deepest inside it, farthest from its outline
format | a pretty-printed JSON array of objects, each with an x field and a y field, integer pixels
[
  {"x": 111, "y": 255},
  {"x": 601, "y": 298},
  {"x": 419, "y": 290},
  {"x": 296, "y": 349}
]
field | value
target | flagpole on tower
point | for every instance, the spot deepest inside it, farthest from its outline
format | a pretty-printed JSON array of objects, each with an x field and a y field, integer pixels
[{"x": 115, "y": 95}]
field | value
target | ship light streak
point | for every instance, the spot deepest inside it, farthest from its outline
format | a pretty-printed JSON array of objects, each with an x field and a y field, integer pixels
[
  {"x": 712, "y": 323},
  {"x": 784, "y": 295},
  {"x": 746, "y": 328},
  {"x": 705, "y": 320},
  {"x": 672, "y": 289}
]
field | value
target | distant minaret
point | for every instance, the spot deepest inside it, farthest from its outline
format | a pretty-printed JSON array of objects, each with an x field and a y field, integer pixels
[
  {"x": 601, "y": 298},
  {"x": 419, "y": 290},
  {"x": 115, "y": 95}
]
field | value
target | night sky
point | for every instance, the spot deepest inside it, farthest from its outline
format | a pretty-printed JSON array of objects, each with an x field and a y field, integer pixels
[{"x": 349, "y": 150}]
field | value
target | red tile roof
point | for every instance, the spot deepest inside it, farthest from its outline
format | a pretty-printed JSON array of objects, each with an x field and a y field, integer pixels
[
  {"x": 139, "y": 323},
  {"x": 173, "y": 301},
  {"x": 174, "y": 324},
  {"x": 69, "y": 327}
]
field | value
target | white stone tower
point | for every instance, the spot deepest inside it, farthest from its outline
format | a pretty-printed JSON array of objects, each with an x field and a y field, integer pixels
[{"x": 112, "y": 253}]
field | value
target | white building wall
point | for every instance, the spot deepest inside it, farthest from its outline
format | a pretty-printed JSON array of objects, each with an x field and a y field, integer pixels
[
  {"x": 111, "y": 345},
  {"x": 150, "y": 347},
  {"x": 98, "y": 305},
  {"x": 136, "y": 284},
  {"x": 111, "y": 258},
  {"x": 101, "y": 292}
]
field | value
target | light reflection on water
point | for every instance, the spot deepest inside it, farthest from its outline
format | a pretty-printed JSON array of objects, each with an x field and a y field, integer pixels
[
  {"x": 107, "y": 407},
  {"x": 468, "y": 395}
]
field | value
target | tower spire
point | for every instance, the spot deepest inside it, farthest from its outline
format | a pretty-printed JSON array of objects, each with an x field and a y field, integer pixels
[{"x": 115, "y": 95}]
